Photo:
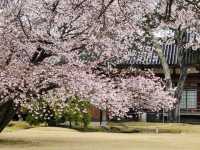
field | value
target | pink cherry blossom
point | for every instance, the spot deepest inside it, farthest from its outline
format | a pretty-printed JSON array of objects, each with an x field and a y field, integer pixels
[{"x": 57, "y": 44}]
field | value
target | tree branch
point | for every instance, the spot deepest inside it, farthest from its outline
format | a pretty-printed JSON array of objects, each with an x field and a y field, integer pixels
[
  {"x": 105, "y": 8},
  {"x": 21, "y": 24}
]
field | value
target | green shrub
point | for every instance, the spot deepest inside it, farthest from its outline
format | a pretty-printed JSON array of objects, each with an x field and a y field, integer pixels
[
  {"x": 17, "y": 125},
  {"x": 56, "y": 111},
  {"x": 77, "y": 112},
  {"x": 32, "y": 120},
  {"x": 40, "y": 112}
]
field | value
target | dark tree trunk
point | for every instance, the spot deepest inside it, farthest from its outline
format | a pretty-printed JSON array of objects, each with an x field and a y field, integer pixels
[
  {"x": 180, "y": 41},
  {"x": 167, "y": 73},
  {"x": 165, "y": 66},
  {"x": 179, "y": 90},
  {"x": 6, "y": 113}
]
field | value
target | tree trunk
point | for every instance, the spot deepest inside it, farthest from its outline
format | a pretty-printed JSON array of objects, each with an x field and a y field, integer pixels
[
  {"x": 179, "y": 90},
  {"x": 166, "y": 71},
  {"x": 181, "y": 40},
  {"x": 7, "y": 112},
  {"x": 165, "y": 66}
]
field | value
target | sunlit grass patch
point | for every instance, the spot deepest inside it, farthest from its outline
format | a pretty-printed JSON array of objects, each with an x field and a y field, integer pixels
[
  {"x": 17, "y": 125},
  {"x": 144, "y": 127},
  {"x": 12, "y": 142},
  {"x": 54, "y": 138}
]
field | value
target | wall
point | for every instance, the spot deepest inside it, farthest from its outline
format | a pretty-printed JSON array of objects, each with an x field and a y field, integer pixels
[{"x": 95, "y": 113}]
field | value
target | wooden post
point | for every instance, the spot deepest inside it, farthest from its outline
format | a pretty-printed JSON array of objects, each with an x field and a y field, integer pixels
[{"x": 103, "y": 118}]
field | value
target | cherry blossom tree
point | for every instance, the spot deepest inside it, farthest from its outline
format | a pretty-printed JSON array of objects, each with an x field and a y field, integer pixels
[
  {"x": 116, "y": 95},
  {"x": 56, "y": 44},
  {"x": 173, "y": 21}
]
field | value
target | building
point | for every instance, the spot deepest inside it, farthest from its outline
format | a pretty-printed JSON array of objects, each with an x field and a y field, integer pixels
[{"x": 190, "y": 102}]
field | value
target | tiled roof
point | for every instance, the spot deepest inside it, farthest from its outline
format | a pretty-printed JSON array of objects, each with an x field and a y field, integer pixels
[{"x": 170, "y": 53}]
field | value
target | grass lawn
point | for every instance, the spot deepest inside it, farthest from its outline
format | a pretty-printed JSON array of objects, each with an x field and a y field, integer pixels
[{"x": 52, "y": 138}]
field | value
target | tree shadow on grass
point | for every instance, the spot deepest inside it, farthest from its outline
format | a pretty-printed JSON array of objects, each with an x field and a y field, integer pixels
[
  {"x": 17, "y": 142},
  {"x": 12, "y": 142}
]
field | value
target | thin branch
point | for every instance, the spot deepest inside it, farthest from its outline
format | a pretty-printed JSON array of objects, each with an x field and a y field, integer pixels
[
  {"x": 21, "y": 24},
  {"x": 105, "y": 8},
  {"x": 78, "y": 5},
  {"x": 168, "y": 10},
  {"x": 53, "y": 10}
]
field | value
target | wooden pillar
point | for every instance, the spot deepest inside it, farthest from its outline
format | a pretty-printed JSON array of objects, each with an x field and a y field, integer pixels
[
  {"x": 198, "y": 96},
  {"x": 144, "y": 117},
  {"x": 103, "y": 118}
]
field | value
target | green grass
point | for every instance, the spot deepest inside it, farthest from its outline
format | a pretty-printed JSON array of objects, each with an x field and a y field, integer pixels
[
  {"x": 142, "y": 127},
  {"x": 124, "y": 127},
  {"x": 17, "y": 125},
  {"x": 169, "y": 127},
  {"x": 52, "y": 138}
]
